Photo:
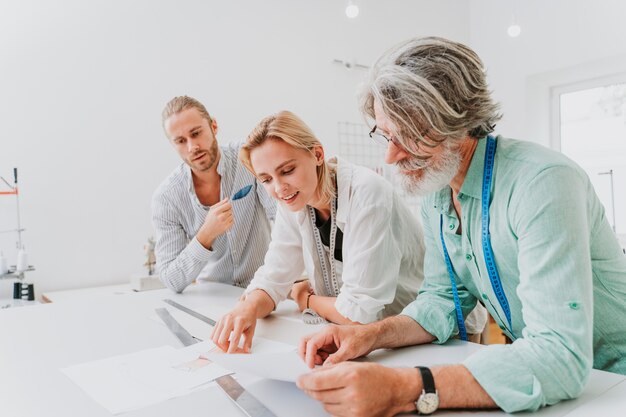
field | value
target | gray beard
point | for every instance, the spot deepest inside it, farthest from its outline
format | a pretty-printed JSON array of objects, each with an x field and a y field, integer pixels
[{"x": 434, "y": 177}]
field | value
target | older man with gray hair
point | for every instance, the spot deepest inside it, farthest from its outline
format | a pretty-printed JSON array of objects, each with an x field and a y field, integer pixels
[{"x": 507, "y": 223}]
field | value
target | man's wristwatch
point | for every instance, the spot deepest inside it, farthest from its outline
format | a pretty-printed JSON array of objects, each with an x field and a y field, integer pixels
[{"x": 428, "y": 400}]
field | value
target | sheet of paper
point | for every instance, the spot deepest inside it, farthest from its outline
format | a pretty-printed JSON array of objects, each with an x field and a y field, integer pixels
[
  {"x": 282, "y": 366},
  {"x": 127, "y": 382},
  {"x": 202, "y": 331},
  {"x": 262, "y": 345}
]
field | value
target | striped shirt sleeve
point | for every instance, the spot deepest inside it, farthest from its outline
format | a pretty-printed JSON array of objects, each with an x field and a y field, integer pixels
[{"x": 179, "y": 260}]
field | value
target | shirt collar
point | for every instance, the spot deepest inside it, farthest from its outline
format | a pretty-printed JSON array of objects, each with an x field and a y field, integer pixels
[
  {"x": 345, "y": 172},
  {"x": 442, "y": 200},
  {"x": 223, "y": 165},
  {"x": 473, "y": 182},
  {"x": 189, "y": 178},
  {"x": 190, "y": 188}
]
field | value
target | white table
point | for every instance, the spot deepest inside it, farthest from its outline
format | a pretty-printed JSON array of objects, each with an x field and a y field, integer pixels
[
  {"x": 610, "y": 403},
  {"x": 91, "y": 292},
  {"x": 36, "y": 342}
]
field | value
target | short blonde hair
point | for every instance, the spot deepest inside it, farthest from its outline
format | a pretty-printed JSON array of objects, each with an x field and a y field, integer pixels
[
  {"x": 289, "y": 128},
  {"x": 182, "y": 103}
]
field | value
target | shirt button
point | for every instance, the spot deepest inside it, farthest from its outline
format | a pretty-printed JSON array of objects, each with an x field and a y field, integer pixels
[
  {"x": 451, "y": 226},
  {"x": 468, "y": 257},
  {"x": 574, "y": 305},
  {"x": 484, "y": 296}
]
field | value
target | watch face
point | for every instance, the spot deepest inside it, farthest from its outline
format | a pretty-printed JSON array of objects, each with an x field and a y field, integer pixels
[{"x": 427, "y": 403}]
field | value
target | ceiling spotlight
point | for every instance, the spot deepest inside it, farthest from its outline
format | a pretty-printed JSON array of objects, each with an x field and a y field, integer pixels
[
  {"x": 352, "y": 10},
  {"x": 514, "y": 30}
]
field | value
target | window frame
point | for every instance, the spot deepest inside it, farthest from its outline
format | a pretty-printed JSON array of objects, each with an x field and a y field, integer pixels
[{"x": 555, "y": 100}]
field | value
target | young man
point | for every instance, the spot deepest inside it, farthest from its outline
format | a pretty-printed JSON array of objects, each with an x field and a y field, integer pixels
[
  {"x": 541, "y": 255},
  {"x": 201, "y": 233}
]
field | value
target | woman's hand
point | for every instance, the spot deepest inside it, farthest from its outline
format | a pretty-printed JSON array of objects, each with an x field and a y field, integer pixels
[
  {"x": 300, "y": 293},
  {"x": 241, "y": 321}
]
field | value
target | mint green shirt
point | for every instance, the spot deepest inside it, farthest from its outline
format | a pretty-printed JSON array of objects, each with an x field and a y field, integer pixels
[{"x": 562, "y": 270}]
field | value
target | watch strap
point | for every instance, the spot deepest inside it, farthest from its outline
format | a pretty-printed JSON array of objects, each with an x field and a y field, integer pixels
[{"x": 428, "y": 382}]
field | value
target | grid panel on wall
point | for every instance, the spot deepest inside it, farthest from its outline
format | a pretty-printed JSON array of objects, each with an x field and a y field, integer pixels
[{"x": 356, "y": 146}]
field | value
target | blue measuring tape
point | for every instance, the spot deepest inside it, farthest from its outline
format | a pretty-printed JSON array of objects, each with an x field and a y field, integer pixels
[
  {"x": 460, "y": 320},
  {"x": 492, "y": 270}
]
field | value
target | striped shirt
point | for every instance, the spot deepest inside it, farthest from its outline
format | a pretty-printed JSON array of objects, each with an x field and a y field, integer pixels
[{"x": 177, "y": 215}]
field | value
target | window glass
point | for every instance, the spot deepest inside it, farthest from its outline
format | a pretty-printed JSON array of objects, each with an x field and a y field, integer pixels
[{"x": 593, "y": 133}]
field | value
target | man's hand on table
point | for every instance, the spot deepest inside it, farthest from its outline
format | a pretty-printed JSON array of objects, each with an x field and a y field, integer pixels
[
  {"x": 336, "y": 344},
  {"x": 362, "y": 389}
]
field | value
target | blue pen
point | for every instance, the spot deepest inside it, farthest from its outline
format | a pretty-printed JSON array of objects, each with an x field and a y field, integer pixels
[{"x": 241, "y": 193}]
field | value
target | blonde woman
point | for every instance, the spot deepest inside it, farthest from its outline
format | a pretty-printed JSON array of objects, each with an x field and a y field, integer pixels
[{"x": 359, "y": 244}]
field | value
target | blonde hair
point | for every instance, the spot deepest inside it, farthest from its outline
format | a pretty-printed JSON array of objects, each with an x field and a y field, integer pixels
[
  {"x": 289, "y": 128},
  {"x": 181, "y": 103},
  {"x": 433, "y": 90}
]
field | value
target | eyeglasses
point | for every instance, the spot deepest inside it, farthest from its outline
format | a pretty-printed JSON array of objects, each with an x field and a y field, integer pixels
[{"x": 382, "y": 139}]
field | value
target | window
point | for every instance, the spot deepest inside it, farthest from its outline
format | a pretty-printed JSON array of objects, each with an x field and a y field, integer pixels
[{"x": 591, "y": 129}]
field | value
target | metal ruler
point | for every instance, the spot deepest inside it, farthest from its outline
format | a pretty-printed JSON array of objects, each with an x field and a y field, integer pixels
[
  {"x": 190, "y": 311},
  {"x": 251, "y": 406},
  {"x": 179, "y": 331}
]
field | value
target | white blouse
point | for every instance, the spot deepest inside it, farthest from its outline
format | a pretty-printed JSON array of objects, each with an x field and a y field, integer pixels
[{"x": 383, "y": 249}]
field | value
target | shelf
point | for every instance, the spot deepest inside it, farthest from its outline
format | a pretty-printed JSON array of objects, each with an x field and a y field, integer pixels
[{"x": 14, "y": 274}]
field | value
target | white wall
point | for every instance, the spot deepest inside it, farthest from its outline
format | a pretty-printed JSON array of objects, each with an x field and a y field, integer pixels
[
  {"x": 562, "y": 41},
  {"x": 82, "y": 85}
]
